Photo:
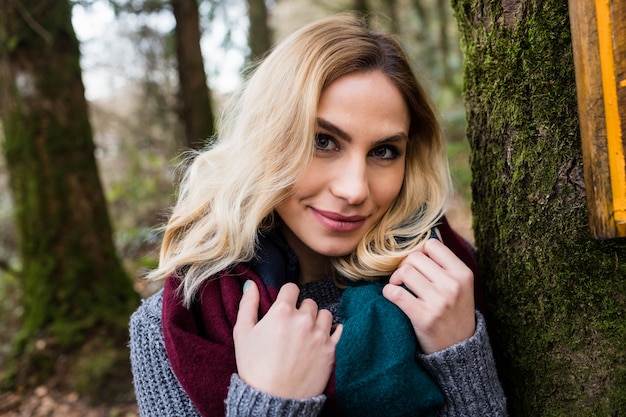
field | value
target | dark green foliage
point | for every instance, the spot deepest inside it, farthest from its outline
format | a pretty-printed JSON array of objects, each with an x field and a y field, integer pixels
[{"x": 557, "y": 298}]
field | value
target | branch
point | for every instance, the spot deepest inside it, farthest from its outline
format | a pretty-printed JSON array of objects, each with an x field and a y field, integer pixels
[{"x": 30, "y": 21}]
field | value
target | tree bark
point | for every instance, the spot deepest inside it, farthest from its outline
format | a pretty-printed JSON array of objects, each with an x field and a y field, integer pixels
[
  {"x": 195, "y": 96},
  {"x": 73, "y": 284},
  {"x": 556, "y": 297}
]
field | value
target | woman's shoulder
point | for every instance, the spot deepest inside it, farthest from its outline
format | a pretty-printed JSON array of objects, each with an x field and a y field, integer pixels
[{"x": 149, "y": 312}]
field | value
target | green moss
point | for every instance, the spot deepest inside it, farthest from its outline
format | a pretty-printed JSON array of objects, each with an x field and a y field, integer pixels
[{"x": 618, "y": 396}]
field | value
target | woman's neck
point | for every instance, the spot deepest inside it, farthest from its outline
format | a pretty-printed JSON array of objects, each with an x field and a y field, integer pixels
[{"x": 313, "y": 266}]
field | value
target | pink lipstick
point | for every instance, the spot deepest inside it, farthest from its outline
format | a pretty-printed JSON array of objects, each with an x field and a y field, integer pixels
[{"x": 338, "y": 223}]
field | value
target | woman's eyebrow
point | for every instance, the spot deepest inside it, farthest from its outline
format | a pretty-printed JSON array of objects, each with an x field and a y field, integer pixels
[{"x": 337, "y": 131}]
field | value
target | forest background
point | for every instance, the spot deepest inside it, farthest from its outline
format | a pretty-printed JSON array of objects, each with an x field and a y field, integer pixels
[
  {"x": 555, "y": 294},
  {"x": 129, "y": 67}
]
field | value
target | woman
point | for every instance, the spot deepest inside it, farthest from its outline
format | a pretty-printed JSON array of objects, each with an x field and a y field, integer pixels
[{"x": 308, "y": 269}]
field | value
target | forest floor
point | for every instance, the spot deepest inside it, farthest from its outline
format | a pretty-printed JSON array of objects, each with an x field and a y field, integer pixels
[
  {"x": 46, "y": 402},
  {"x": 50, "y": 401}
]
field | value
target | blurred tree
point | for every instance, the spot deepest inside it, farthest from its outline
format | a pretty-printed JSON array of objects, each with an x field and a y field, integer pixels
[
  {"x": 443, "y": 16},
  {"x": 259, "y": 32},
  {"x": 556, "y": 296},
  {"x": 361, "y": 7},
  {"x": 75, "y": 292},
  {"x": 436, "y": 34},
  {"x": 196, "y": 109},
  {"x": 390, "y": 8}
]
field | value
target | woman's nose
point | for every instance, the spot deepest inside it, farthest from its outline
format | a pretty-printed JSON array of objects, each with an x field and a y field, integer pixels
[{"x": 351, "y": 183}]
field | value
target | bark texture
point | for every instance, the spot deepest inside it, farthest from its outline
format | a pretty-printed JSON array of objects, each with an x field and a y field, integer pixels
[
  {"x": 556, "y": 297},
  {"x": 73, "y": 284}
]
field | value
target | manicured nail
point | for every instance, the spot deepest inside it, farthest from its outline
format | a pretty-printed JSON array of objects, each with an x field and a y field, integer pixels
[{"x": 246, "y": 285}]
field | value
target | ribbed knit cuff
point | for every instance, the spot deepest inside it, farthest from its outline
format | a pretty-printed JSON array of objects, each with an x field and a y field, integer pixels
[
  {"x": 466, "y": 373},
  {"x": 243, "y": 400}
]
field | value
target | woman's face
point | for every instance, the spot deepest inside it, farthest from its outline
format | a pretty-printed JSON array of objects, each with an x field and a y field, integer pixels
[{"x": 358, "y": 167}]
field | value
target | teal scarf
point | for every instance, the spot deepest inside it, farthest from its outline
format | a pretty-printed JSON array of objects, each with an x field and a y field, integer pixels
[{"x": 377, "y": 373}]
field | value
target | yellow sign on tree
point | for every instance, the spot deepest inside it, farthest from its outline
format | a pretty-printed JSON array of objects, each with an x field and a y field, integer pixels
[{"x": 599, "y": 42}]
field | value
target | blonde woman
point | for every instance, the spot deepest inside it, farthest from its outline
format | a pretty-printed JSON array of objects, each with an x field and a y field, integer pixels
[{"x": 308, "y": 268}]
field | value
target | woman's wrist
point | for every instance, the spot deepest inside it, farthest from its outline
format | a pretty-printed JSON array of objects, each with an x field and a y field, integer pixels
[{"x": 244, "y": 400}]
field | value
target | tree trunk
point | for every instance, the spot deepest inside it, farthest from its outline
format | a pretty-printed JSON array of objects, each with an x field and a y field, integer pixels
[
  {"x": 196, "y": 109},
  {"x": 556, "y": 297},
  {"x": 73, "y": 284},
  {"x": 259, "y": 33},
  {"x": 361, "y": 7},
  {"x": 442, "y": 11}
]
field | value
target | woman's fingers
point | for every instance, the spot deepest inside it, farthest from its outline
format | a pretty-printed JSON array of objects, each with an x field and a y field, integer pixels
[
  {"x": 435, "y": 290},
  {"x": 288, "y": 294},
  {"x": 436, "y": 263},
  {"x": 248, "y": 314},
  {"x": 336, "y": 334},
  {"x": 291, "y": 350},
  {"x": 443, "y": 255}
]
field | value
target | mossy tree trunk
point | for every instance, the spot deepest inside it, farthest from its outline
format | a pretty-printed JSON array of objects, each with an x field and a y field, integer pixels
[
  {"x": 556, "y": 297},
  {"x": 73, "y": 284}
]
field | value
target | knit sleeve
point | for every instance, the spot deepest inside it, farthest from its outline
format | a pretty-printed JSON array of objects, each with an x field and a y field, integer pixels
[
  {"x": 245, "y": 401},
  {"x": 158, "y": 392},
  {"x": 466, "y": 373}
]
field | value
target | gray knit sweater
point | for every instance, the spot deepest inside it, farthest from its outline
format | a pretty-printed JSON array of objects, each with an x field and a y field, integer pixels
[{"x": 465, "y": 372}]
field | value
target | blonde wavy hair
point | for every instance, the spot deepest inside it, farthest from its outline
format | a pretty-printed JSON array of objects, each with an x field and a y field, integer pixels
[{"x": 266, "y": 137}]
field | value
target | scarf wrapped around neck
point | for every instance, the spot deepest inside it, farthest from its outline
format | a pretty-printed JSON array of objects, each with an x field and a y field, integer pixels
[{"x": 376, "y": 373}]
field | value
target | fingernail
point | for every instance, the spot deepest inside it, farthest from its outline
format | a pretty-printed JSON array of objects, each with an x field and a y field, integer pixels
[{"x": 246, "y": 285}]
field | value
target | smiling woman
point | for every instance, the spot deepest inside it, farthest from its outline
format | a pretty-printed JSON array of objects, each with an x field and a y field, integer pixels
[
  {"x": 301, "y": 276},
  {"x": 355, "y": 175}
]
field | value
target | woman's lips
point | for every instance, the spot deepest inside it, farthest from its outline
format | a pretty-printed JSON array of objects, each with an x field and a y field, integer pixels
[{"x": 337, "y": 222}]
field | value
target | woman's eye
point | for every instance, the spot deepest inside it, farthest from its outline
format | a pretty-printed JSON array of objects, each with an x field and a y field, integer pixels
[
  {"x": 385, "y": 152},
  {"x": 324, "y": 142}
]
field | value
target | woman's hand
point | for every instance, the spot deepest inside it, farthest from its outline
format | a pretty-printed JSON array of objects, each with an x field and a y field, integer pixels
[
  {"x": 441, "y": 307},
  {"x": 291, "y": 351}
]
